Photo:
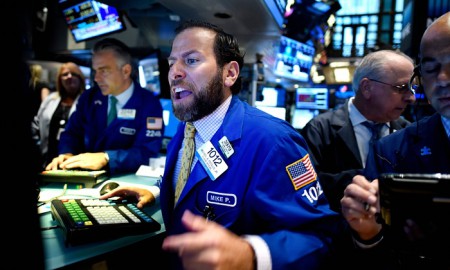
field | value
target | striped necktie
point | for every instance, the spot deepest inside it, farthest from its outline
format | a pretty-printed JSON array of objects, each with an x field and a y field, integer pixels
[
  {"x": 186, "y": 159},
  {"x": 375, "y": 128}
]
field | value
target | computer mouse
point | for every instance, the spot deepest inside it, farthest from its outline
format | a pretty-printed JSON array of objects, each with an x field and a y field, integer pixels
[{"x": 108, "y": 187}]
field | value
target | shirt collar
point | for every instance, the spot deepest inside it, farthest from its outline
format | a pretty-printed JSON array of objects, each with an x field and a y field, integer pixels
[
  {"x": 123, "y": 97},
  {"x": 208, "y": 125},
  {"x": 355, "y": 115},
  {"x": 446, "y": 123}
]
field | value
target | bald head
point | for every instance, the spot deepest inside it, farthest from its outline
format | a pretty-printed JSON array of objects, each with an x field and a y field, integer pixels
[
  {"x": 435, "y": 64},
  {"x": 437, "y": 34}
]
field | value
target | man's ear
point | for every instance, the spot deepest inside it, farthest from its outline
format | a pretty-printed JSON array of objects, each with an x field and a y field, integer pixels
[
  {"x": 231, "y": 72},
  {"x": 364, "y": 87},
  {"x": 126, "y": 70}
]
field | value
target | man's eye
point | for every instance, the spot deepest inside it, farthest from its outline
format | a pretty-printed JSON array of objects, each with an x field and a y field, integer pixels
[
  {"x": 191, "y": 61},
  {"x": 430, "y": 68}
]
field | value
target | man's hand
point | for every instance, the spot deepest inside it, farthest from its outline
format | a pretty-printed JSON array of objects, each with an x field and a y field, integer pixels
[
  {"x": 208, "y": 245},
  {"x": 142, "y": 195},
  {"x": 359, "y": 206},
  {"x": 91, "y": 161},
  {"x": 57, "y": 161}
]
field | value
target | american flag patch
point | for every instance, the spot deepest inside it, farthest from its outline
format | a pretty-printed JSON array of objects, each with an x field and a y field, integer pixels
[
  {"x": 301, "y": 172},
  {"x": 154, "y": 123}
]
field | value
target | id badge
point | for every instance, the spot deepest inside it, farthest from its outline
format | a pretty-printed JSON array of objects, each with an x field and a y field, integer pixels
[{"x": 211, "y": 160}]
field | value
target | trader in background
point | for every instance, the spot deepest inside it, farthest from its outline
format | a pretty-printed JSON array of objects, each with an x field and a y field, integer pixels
[
  {"x": 339, "y": 140},
  {"x": 135, "y": 131},
  {"x": 251, "y": 177},
  {"x": 54, "y": 111},
  {"x": 423, "y": 147}
]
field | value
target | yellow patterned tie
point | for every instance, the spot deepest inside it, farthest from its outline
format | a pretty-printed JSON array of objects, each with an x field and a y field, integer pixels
[{"x": 186, "y": 159}]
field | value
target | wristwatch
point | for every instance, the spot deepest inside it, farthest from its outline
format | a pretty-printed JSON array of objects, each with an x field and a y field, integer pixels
[{"x": 106, "y": 157}]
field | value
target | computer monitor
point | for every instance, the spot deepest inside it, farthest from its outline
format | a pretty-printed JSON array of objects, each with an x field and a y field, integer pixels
[
  {"x": 300, "y": 117},
  {"x": 272, "y": 96},
  {"x": 149, "y": 73},
  {"x": 90, "y": 19},
  {"x": 311, "y": 98},
  {"x": 294, "y": 60},
  {"x": 170, "y": 121},
  {"x": 278, "y": 112}
]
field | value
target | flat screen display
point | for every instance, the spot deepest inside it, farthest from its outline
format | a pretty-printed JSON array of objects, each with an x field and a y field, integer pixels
[
  {"x": 170, "y": 121},
  {"x": 149, "y": 74},
  {"x": 90, "y": 19},
  {"x": 277, "y": 8},
  {"x": 278, "y": 112},
  {"x": 300, "y": 117},
  {"x": 271, "y": 96},
  {"x": 311, "y": 98},
  {"x": 294, "y": 60}
]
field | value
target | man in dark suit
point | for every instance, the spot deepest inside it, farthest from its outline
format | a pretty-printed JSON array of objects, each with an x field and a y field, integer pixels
[
  {"x": 339, "y": 140},
  {"x": 423, "y": 147}
]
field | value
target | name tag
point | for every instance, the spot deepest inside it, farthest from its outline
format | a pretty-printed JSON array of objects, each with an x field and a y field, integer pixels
[
  {"x": 211, "y": 160},
  {"x": 127, "y": 131},
  {"x": 225, "y": 199},
  {"x": 126, "y": 114},
  {"x": 226, "y": 147}
]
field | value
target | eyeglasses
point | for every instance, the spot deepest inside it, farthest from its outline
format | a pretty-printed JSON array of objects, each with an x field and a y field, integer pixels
[{"x": 401, "y": 89}]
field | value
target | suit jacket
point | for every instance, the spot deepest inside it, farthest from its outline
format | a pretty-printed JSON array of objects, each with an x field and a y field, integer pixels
[
  {"x": 334, "y": 150},
  {"x": 130, "y": 139},
  {"x": 256, "y": 194},
  {"x": 423, "y": 147}
]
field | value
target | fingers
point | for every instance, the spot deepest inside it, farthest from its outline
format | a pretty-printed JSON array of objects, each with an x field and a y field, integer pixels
[
  {"x": 117, "y": 192},
  {"x": 361, "y": 196},
  {"x": 91, "y": 161},
  {"x": 143, "y": 196},
  {"x": 192, "y": 223},
  {"x": 55, "y": 164}
]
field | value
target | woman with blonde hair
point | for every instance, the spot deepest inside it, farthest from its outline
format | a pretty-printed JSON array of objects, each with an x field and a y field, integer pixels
[
  {"x": 41, "y": 89},
  {"x": 55, "y": 110}
]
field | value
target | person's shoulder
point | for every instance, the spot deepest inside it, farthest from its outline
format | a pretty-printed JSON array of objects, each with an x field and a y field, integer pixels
[
  {"x": 399, "y": 136},
  {"x": 42, "y": 84},
  {"x": 326, "y": 119},
  {"x": 53, "y": 95}
]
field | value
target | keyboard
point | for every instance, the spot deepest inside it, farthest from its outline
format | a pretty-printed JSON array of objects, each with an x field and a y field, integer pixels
[
  {"x": 90, "y": 220},
  {"x": 85, "y": 178}
]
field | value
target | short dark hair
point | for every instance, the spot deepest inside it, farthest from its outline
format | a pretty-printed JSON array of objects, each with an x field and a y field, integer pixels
[
  {"x": 120, "y": 49},
  {"x": 226, "y": 47}
]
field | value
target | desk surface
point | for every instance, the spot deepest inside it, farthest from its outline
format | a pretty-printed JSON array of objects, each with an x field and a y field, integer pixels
[{"x": 58, "y": 255}]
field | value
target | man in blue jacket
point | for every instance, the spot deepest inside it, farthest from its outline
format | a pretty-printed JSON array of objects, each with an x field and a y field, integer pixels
[
  {"x": 252, "y": 199},
  {"x": 136, "y": 131}
]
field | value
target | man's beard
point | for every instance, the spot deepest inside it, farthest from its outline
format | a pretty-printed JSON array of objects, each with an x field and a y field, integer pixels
[{"x": 205, "y": 101}]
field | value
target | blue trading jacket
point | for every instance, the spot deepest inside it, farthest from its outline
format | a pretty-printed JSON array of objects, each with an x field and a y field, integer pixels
[
  {"x": 422, "y": 147},
  {"x": 128, "y": 142},
  {"x": 256, "y": 195}
]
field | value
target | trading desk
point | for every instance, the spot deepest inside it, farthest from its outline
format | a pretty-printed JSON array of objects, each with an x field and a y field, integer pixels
[{"x": 58, "y": 255}]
